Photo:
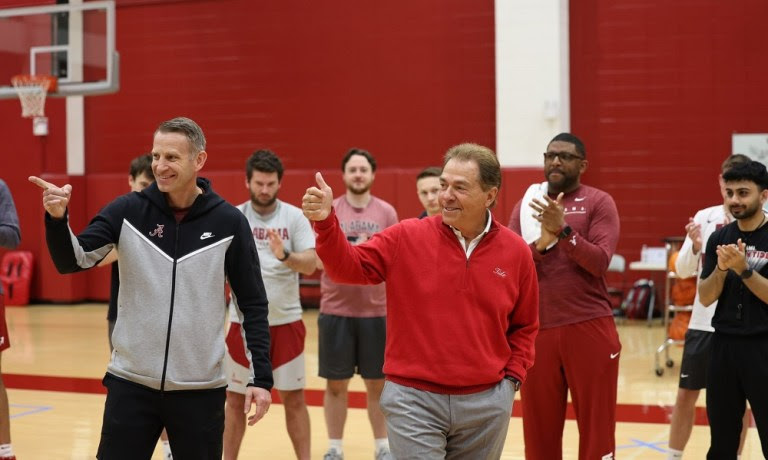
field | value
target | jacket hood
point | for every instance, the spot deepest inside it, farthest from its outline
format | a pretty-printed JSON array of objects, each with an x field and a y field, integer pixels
[{"x": 202, "y": 204}]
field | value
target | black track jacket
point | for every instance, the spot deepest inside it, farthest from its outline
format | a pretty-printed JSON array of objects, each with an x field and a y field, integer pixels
[{"x": 170, "y": 328}]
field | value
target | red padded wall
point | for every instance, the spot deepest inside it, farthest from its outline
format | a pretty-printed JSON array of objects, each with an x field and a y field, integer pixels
[
  {"x": 403, "y": 79},
  {"x": 657, "y": 90}
]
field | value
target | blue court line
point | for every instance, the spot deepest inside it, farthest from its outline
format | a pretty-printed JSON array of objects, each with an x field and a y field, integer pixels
[
  {"x": 31, "y": 409},
  {"x": 650, "y": 445}
]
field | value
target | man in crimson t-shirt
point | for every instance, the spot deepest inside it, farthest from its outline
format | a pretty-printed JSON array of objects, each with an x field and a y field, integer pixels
[{"x": 352, "y": 321}]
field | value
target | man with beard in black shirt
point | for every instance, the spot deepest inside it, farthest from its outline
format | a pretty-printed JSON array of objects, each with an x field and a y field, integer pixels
[{"x": 735, "y": 274}]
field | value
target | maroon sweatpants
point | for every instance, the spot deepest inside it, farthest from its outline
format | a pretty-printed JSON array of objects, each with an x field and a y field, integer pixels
[
  {"x": 582, "y": 358},
  {"x": 5, "y": 341}
]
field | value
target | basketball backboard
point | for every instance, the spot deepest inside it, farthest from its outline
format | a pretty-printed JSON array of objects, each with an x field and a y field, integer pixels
[{"x": 74, "y": 42}]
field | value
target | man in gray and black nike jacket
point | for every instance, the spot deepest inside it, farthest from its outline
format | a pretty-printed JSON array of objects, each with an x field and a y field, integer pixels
[{"x": 178, "y": 243}]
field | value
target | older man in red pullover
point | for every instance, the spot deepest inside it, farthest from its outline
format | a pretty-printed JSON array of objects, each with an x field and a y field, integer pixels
[
  {"x": 572, "y": 230},
  {"x": 462, "y": 311}
]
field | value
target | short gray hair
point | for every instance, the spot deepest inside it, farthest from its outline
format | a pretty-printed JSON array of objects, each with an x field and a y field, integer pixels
[
  {"x": 485, "y": 159},
  {"x": 188, "y": 128},
  {"x": 487, "y": 163}
]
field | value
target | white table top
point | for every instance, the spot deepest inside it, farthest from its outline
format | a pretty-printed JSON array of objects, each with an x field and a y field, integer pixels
[{"x": 648, "y": 266}]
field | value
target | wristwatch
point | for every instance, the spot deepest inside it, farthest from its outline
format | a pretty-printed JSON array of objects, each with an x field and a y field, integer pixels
[
  {"x": 746, "y": 274},
  {"x": 514, "y": 381},
  {"x": 286, "y": 253},
  {"x": 564, "y": 232}
]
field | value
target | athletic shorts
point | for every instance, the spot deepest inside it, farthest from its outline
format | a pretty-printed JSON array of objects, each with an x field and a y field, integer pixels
[
  {"x": 350, "y": 345},
  {"x": 696, "y": 351},
  {"x": 5, "y": 341},
  {"x": 286, "y": 352}
]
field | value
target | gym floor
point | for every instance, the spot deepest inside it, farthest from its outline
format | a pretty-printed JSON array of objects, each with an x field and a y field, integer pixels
[{"x": 59, "y": 353}]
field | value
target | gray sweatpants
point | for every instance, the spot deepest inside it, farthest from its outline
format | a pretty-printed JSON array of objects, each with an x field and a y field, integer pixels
[{"x": 423, "y": 425}]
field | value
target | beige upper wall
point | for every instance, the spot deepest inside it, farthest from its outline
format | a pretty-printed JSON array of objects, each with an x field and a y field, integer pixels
[{"x": 532, "y": 84}]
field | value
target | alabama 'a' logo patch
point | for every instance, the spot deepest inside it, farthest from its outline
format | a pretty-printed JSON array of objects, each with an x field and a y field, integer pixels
[{"x": 158, "y": 232}]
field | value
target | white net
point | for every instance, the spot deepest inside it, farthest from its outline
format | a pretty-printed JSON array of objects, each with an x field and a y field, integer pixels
[{"x": 32, "y": 90}]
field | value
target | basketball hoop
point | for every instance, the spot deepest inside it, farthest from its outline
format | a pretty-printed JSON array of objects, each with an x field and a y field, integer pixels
[{"x": 32, "y": 90}]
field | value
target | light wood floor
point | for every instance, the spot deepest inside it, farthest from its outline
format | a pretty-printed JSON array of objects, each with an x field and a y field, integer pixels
[{"x": 65, "y": 348}]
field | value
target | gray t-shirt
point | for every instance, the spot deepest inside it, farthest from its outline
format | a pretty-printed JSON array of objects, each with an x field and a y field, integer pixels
[{"x": 281, "y": 283}]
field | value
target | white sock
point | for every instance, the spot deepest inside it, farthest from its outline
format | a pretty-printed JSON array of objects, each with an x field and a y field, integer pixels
[
  {"x": 167, "y": 450},
  {"x": 675, "y": 454},
  {"x": 6, "y": 450},
  {"x": 381, "y": 444},
  {"x": 335, "y": 445}
]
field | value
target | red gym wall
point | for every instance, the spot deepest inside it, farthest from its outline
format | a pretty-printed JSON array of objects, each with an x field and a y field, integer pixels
[
  {"x": 405, "y": 80},
  {"x": 657, "y": 89},
  {"x": 656, "y": 93}
]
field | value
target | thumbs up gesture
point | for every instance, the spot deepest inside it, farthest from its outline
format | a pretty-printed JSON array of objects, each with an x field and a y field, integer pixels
[
  {"x": 317, "y": 201},
  {"x": 55, "y": 199}
]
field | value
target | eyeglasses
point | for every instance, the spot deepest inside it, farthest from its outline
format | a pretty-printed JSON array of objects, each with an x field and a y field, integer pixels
[{"x": 550, "y": 156}]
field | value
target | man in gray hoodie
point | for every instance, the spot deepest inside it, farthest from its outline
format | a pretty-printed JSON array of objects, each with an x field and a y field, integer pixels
[{"x": 179, "y": 242}]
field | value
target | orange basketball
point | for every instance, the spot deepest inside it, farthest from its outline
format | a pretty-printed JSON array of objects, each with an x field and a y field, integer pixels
[
  {"x": 672, "y": 260},
  {"x": 679, "y": 325},
  {"x": 683, "y": 290}
]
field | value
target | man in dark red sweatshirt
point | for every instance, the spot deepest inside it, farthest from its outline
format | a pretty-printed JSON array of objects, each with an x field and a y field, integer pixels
[
  {"x": 572, "y": 230},
  {"x": 462, "y": 311}
]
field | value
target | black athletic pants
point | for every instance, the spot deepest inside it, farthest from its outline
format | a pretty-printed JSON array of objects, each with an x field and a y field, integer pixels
[
  {"x": 738, "y": 372},
  {"x": 135, "y": 415}
]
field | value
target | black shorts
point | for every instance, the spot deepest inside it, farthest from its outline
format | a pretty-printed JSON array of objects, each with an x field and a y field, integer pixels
[
  {"x": 134, "y": 416},
  {"x": 696, "y": 352},
  {"x": 351, "y": 345}
]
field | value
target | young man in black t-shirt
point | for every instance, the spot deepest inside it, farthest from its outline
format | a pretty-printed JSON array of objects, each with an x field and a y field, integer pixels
[{"x": 735, "y": 274}]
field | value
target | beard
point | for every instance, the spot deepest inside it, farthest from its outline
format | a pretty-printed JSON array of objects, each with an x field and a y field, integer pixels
[
  {"x": 359, "y": 189},
  {"x": 747, "y": 211},
  {"x": 263, "y": 203},
  {"x": 564, "y": 183}
]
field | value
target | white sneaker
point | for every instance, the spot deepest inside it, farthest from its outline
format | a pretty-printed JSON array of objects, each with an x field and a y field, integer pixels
[
  {"x": 383, "y": 454},
  {"x": 333, "y": 455}
]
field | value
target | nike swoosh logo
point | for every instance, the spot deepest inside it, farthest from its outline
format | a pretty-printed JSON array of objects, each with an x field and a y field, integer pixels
[
  {"x": 580, "y": 199},
  {"x": 206, "y": 235},
  {"x": 614, "y": 355},
  {"x": 683, "y": 376}
]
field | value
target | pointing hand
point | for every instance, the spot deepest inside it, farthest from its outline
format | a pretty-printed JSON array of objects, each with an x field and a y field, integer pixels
[{"x": 55, "y": 199}]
